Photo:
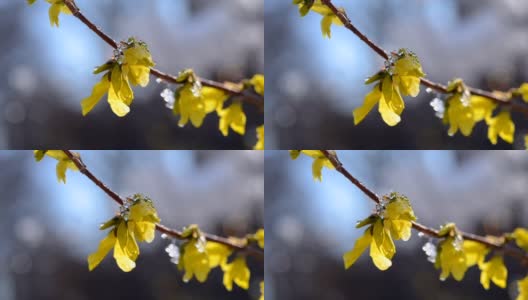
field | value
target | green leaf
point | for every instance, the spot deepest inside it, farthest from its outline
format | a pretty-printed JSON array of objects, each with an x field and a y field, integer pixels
[{"x": 105, "y": 67}]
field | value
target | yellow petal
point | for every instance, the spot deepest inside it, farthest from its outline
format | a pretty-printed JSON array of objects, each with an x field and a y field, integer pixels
[
  {"x": 493, "y": 270},
  {"x": 194, "y": 262},
  {"x": 122, "y": 259},
  {"x": 326, "y": 25},
  {"x": 117, "y": 105},
  {"x": 260, "y": 138},
  {"x": 475, "y": 252},
  {"x": 54, "y": 12},
  {"x": 523, "y": 289},
  {"x": 217, "y": 253},
  {"x": 389, "y": 116},
  {"x": 259, "y": 236},
  {"x": 521, "y": 238},
  {"x": 524, "y": 91},
  {"x": 62, "y": 166},
  {"x": 370, "y": 101},
  {"x": 237, "y": 272},
  {"x": 105, "y": 246},
  {"x": 379, "y": 260},
  {"x": 410, "y": 85},
  {"x": 359, "y": 247},
  {"x": 258, "y": 83},
  {"x": 99, "y": 90},
  {"x": 232, "y": 117},
  {"x": 503, "y": 126}
]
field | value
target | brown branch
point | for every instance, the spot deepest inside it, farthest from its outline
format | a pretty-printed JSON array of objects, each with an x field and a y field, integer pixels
[
  {"x": 159, "y": 227},
  {"x": 245, "y": 95},
  {"x": 513, "y": 252},
  {"x": 341, "y": 14}
]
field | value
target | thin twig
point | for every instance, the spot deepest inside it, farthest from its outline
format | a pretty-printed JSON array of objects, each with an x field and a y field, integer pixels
[
  {"x": 159, "y": 227},
  {"x": 341, "y": 14},
  {"x": 513, "y": 252},
  {"x": 245, "y": 95}
]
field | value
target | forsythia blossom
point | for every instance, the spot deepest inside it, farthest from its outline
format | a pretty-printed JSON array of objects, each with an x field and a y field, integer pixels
[
  {"x": 237, "y": 272},
  {"x": 393, "y": 221},
  {"x": 136, "y": 223},
  {"x": 317, "y": 6},
  {"x": 193, "y": 102},
  {"x": 493, "y": 270},
  {"x": 523, "y": 90},
  {"x": 258, "y": 84},
  {"x": 57, "y": 7},
  {"x": 401, "y": 78},
  {"x": 130, "y": 66},
  {"x": 260, "y": 138},
  {"x": 320, "y": 161},
  {"x": 232, "y": 117},
  {"x": 501, "y": 125},
  {"x": 199, "y": 256},
  {"x": 523, "y": 289},
  {"x": 64, "y": 162}
]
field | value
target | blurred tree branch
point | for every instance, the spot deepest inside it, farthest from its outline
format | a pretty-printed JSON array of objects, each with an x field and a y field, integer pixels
[
  {"x": 245, "y": 95},
  {"x": 494, "y": 244},
  {"x": 440, "y": 88},
  {"x": 237, "y": 244}
]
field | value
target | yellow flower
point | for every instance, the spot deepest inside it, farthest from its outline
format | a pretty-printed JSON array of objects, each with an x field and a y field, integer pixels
[
  {"x": 232, "y": 117},
  {"x": 382, "y": 247},
  {"x": 463, "y": 116},
  {"x": 407, "y": 73},
  {"x": 258, "y": 83},
  {"x": 317, "y": 6},
  {"x": 217, "y": 254},
  {"x": 391, "y": 103},
  {"x": 259, "y": 237},
  {"x": 451, "y": 259},
  {"x": 237, "y": 272},
  {"x": 401, "y": 79},
  {"x": 194, "y": 261},
  {"x": 137, "y": 63},
  {"x": 521, "y": 238},
  {"x": 459, "y": 116},
  {"x": 57, "y": 6},
  {"x": 482, "y": 108},
  {"x": 320, "y": 161},
  {"x": 133, "y": 68},
  {"x": 194, "y": 103},
  {"x": 398, "y": 217},
  {"x": 260, "y": 138},
  {"x": 523, "y": 289},
  {"x": 394, "y": 221},
  {"x": 475, "y": 252},
  {"x": 501, "y": 125},
  {"x": 493, "y": 270},
  {"x": 198, "y": 257},
  {"x": 138, "y": 223},
  {"x": 64, "y": 162},
  {"x": 144, "y": 217},
  {"x": 261, "y": 290},
  {"x": 523, "y": 90}
]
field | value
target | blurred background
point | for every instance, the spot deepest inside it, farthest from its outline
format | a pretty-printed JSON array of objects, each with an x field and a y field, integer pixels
[
  {"x": 310, "y": 225},
  {"x": 48, "y": 228},
  {"x": 316, "y": 83},
  {"x": 48, "y": 71}
]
